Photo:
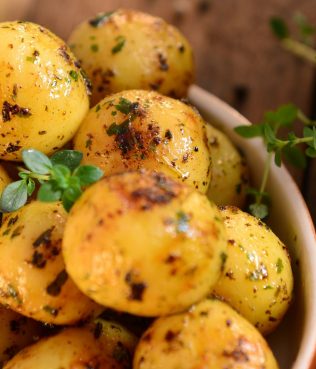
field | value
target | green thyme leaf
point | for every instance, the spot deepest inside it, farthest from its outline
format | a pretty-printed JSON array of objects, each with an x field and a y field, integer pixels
[
  {"x": 311, "y": 152},
  {"x": 120, "y": 44},
  {"x": 88, "y": 174},
  {"x": 74, "y": 75},
  {"x": 69, "y": 158},
  {"x": 260, "y": 211},
  {"x": 100, "y": 19},
  {"x": 49, "y": 192},
  {"x": 295, "y": 156},
  {"x": 30, "y": 186},
  {"x": 124, "y": 106},
  {"x": 117, "y": 129},
  {"x": 279, "y": 27},
  {"x": 283, "y": 116},
  {"x": 36, "y": 161},
  {"x": 278, "y": 158},
  {"x": 306, "y": 29},
  {"x": 254, "y": 130},
  {"x": 14, "y": 196},
  {"x": 61, "y": 174}
]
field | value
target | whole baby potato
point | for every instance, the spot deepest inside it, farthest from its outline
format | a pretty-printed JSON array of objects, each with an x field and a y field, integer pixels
[
  {"x": 210, "y": 335},
  {"x": 43, "y": 96},
  {"x": 92, "y": 347},
  {"x": 229, "y": 170},
  {"x": 16, "y": 332},
  {"x": 257, "y": 279},
  {"x": 33, "y": 280},
  {"x": 141, "y": 129},
  {"x": 4, "y": 178},
  {"x": 127, "y": 49},
  {"x": 141, "y": 243}
]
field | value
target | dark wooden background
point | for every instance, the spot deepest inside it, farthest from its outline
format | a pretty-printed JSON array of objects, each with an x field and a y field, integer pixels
[{"x": 237, "y": 57}]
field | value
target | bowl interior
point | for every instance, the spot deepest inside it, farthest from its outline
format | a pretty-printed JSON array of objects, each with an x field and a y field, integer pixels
[{"x": 294, "y": 342}]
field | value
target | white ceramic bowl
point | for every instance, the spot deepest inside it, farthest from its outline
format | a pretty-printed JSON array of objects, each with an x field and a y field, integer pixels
[{"x": 294, "y": 342}]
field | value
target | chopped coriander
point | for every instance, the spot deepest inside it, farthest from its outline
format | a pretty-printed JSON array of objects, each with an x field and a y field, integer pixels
[
  {"x": 118, "y": 129},
  {"x": 100, "y": 19},
  {"x": 119, "y": 45},
  {"x": 279, "y": 265}
]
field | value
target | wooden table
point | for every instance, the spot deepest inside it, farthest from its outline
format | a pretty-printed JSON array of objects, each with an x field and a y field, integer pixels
[{"x": 237, "y": 57}]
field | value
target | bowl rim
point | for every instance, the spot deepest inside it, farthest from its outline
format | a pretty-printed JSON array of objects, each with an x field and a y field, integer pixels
[{"x": 221, "y": 111}]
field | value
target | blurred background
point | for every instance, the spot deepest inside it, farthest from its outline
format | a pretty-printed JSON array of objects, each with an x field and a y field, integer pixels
[{"x": 237, "y": 56}]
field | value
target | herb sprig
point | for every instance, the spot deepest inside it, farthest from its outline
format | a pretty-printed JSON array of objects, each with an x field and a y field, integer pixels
[
  {"x": 61, "y": 177},
  {"x": 284, "y": 116},
  {"x": 306, "y": 35}
]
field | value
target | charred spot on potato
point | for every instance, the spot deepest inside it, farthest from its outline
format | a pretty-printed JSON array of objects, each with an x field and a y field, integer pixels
[
  {"x": 62, "y": 51},
  {"x": 44, "y": 238},
  {"x": 13, "y": 148},
  {"x": 54, "y": 288},
  {"x": 122, "y": 355},
  {"x": 171, "y": 335},
  {"x": 137, "y": 289},
  {"x": 9, "y": 111},
  {"x": 163, "y": 64},
  {"x": 97, "y": 330}
]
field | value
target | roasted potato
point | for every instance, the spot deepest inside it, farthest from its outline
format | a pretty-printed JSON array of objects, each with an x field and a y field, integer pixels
[
  {"x": 229, "y": 170},
  {"x": 257, "y": 279},
  {"x": 142, "y": 243},
  {"x": 140, "y": 129},
  {"x": 43, "y": 96},
  {"x": 16, "y": 332},
  {"x": 209, "y": 335},
  {"x": 4, "y": 178},
  {"x": 33, "y": 280},
  {"x": 127, "y": 49},
  {"x": 106, "y": 345}
]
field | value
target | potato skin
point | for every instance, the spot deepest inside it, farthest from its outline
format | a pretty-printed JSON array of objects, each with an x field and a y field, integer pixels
[
  {"x": 154, "y": 132},
  {"x": 16, "y": 332},
  {"x": 79, "y": 348},
  {"x": 257, "y": 279},
  {"x": 209, "y": 335},
  {"x": 43, "y": 96},
  {"x": 4, "y": 179},
  {"x": 133, "y": 50},
  {"x": 229, "y": 170},
  {"x": 142, "y": 243},
  {"x": 33, "y": 280}
]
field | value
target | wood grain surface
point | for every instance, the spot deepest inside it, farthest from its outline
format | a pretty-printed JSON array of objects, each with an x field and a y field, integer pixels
[{"x": 237, "y": 57}]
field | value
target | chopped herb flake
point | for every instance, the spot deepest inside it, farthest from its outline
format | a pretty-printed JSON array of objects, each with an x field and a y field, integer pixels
[{"x": 120, "y": 44}]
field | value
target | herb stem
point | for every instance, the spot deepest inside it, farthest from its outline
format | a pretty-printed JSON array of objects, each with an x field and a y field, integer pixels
[
  {"x": 41, "y": 177},
  {"x": 299, "y": 49},
  {"x": 304, "y": 119},
  {"x": 265, "y": 177}
]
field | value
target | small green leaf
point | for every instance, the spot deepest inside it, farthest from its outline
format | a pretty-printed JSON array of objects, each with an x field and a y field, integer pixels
[
  {"x": 285, "y": 115},
  {"x": 310, "y": 133},
  {"x": 118, "y": 129},
  {"x": 119, "y": 45},
  {"x": 36, "y": 161},
  {"x": 88, "y": 174},
  {"x": 100, "y": 19},
  {"x": 30, "y": 186},
  {"x": 24, "y": 175},
  {"x": 124, "y": 106},
  {"x": 278, "y": 158},
  {"x": 74, "y": 75},
  {"x": 255, "y": 130},
  {"x": 306, "y": 29},
  {"x": 49, "y": 192},
  {"x": 70, "y": 195},
  {"x": 259, "y": 211},
  {"x": 61, "y": 174},
  {"x": 257, "y": 194},
  {"x": 69, "y": 158},
  {"x": 269, "y": 135},
  {"x": 279, "y": 27},
  {"x": 295, "y": 156},
  {"x": 311, "y": 152},
  {"x": 14, "y": 196}
]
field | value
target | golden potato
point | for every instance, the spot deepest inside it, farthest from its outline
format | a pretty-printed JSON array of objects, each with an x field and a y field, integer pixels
[
  {"x": 43, "y": 96},
  {"x": 102, "y": 346},
  {"x": 257, "y": 278},
  {"x": 4, "y": 178},
  {"x": 33, "y": 280},
  {"x": 140, "y": 129},
  {"x": 16, "y": 332},
  {"x": 229, "y": 170},
  {"x": 142, "y": 243},
  {"x": 210, "y": 335},
  {"x": 127, "y": 49}
]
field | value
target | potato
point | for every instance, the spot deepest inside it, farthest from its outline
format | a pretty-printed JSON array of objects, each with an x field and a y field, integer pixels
[
  {"x": 105, "y": 346},
  {"x": 257, "y": 279},
  {"x": 4, "y": 179},
  {"x": 43, "y": 96},
  {"x": 229, "y": 170},
  {"x": 210, "y": 335},
  {"x": 127, "y": 49},
  {"x": 142, "y": 243},
  {"x": 16, "y": 332},
  {"x": 33, "y": 280},
  {"x": 140, "y": 129}
]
